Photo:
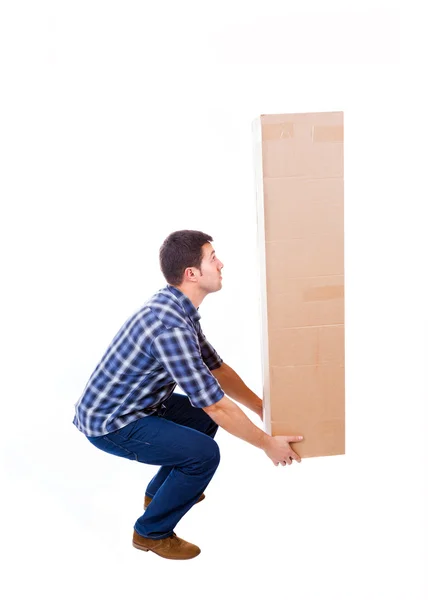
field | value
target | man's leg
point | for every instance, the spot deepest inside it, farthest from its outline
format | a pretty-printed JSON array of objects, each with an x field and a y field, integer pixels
[
  {"x": 179, "y": 410},
  {"x": 192, "y": 458}
]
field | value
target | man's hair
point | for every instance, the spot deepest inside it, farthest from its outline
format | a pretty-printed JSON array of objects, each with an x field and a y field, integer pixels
[{"x": 180, "y": 250}]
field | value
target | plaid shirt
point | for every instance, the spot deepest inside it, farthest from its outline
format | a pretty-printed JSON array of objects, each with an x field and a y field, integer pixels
[{"x": 160, "y": 346}]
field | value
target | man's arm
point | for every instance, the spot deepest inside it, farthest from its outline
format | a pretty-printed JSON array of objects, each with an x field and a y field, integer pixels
[
  {"x": 233, "y": 386},
  {"x": 231, "y": 418}
]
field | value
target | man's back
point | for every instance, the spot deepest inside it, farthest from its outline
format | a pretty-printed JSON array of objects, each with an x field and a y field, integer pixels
[{"x": 136, "y": 373}]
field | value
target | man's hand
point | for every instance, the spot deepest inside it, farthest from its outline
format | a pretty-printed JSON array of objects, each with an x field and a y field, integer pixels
[
  {"x": 229, "y": 416},
  {"x": 279, "y": 451}
]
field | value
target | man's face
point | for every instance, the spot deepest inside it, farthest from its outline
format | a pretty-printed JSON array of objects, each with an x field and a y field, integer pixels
[{"x": 210, "y": 272}]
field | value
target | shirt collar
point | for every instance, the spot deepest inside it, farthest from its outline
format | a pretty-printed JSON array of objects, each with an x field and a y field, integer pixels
[{"x": 185, "y": 303}]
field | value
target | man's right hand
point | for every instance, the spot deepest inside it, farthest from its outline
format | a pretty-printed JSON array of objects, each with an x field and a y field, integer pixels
[{"x": 279, "y": 450}]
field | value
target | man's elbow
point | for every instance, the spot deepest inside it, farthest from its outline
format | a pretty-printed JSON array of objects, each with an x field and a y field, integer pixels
[{"x": 212, "y": 409}]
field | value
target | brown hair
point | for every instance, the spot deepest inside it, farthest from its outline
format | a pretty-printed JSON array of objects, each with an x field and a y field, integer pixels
[{"x": 180, "y": 250}]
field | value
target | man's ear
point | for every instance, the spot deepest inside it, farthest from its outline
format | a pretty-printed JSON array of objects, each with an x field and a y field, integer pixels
[{"x": 190, "y": 271}]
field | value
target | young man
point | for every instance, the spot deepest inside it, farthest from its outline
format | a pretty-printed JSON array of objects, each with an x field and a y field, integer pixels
[{"x": 129, "y": 407}]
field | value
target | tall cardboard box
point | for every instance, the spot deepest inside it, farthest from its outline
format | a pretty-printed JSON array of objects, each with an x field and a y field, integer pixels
[{"x": 300, "y": 217}]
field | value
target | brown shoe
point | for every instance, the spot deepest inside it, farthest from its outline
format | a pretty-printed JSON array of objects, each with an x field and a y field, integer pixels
[
  {"x": 147, "y": 500},
  {"x": 171, "y": 547}
]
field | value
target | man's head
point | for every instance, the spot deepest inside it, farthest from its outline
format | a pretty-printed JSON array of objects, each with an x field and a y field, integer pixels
[{"x": 188, "y": 260}]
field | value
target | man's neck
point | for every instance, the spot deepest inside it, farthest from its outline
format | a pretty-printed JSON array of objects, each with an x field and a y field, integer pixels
[{"x": 195, "y": 295}]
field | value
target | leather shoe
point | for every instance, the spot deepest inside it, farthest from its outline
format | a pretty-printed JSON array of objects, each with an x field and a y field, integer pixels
[
  {"x": 147, "y": 500},
  {"x": 171, "y": 547}
]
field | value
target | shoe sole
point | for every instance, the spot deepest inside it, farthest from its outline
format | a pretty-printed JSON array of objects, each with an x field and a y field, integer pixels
[{"x": 161, "y": 555}]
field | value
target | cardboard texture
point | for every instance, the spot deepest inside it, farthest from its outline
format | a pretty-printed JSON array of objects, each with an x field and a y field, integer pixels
[{"x": 300, "y": 224}]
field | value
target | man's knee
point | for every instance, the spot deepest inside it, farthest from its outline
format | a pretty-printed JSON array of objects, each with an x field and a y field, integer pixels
[
  {"x": 208, "y": 455},
  {"x": 213, "y": 453}
]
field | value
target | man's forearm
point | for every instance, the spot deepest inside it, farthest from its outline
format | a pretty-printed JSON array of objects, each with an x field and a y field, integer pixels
[
  {"x": 231, "y": 418},
  {"x": 235, "y": 388}
]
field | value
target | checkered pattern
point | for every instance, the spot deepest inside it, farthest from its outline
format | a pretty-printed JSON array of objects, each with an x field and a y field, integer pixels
[{"x": 160, "y": 346}]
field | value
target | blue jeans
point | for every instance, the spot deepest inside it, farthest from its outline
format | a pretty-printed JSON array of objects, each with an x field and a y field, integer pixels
[{"x": 180, "y": 439}]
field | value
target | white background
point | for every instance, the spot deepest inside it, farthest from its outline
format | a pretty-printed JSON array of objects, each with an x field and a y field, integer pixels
[{"x": 124, "y": 121}]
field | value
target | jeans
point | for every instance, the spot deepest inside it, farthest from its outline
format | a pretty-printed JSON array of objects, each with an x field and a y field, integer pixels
[{"x": 179, "y": 437}]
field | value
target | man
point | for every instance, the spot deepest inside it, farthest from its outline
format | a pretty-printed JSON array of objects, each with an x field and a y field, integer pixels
[{"x": 129, "y": 407}]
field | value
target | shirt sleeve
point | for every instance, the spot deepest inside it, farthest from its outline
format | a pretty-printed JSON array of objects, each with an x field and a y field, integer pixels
[
  {"x": 209, "y": 355},
  {"x": 179, "y": 353}
]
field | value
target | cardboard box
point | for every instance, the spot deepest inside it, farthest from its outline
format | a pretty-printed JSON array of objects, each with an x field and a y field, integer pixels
[{"x": 300, "y": 222}]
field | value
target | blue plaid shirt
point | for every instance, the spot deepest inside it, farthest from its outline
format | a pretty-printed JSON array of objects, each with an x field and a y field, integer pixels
[{"x": 160, "y": 346}]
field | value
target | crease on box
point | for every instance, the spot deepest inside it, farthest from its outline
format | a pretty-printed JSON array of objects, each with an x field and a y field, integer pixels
[{"x": 326, "y": 292}]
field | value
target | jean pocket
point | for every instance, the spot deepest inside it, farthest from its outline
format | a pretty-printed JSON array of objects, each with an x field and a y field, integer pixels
[{"x": 110, "y": 444}]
